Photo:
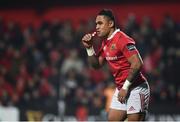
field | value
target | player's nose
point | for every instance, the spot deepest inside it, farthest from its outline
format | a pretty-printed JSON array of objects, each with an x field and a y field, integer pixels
[{"x": 97, "y": 27}]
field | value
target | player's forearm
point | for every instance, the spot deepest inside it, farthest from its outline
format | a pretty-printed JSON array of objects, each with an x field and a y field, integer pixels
[
  {"x": 136, "y": 64},
  {"x": 133, "y": 71},
  {"x": 93, "y": 61}
]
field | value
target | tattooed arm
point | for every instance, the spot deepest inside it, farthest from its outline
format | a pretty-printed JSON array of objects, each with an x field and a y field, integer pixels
[{"x": 136, "y": 64}]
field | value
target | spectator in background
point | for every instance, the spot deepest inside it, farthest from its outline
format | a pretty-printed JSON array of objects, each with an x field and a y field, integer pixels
[
  {"x": 6, "y": 92},
  {"x": 72, "y": 62}
]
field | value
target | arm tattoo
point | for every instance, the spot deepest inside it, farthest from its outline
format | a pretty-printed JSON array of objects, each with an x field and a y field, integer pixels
[
  {"x": 136, "y": 64},
  {"x": 132, "y": 74}
]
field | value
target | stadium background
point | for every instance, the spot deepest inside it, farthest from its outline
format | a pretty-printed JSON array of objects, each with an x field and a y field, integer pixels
[{"x": 44, "y": 73}]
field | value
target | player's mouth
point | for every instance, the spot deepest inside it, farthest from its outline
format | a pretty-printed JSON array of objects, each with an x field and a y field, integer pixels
[{"x": 98, "y": 32}]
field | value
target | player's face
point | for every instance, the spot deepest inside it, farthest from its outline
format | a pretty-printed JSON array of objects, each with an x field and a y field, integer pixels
[{"x": 102, "y": 26}]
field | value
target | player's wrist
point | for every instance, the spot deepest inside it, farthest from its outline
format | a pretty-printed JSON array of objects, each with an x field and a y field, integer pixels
[
  {"x": 126, "y": 85},
  {"x": 90, "y": 51}
]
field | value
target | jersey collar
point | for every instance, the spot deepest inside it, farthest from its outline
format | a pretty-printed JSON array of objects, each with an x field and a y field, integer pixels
[{"x": 112, "y": 35}]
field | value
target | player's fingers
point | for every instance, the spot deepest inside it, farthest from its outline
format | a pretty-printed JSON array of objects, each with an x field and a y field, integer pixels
[
  {"x": 120, "y": 98},
  {"x": 123, "y": 100},
  {"x": 87, "y": 37},
  {"x": 84, "y": 38}
]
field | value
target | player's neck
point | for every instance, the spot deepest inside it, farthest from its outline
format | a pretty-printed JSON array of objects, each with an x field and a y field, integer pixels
[{"x": 111, "y": 32}]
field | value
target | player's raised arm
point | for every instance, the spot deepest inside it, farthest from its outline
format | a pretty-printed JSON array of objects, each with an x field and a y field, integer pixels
[{"x": 95, "y": 61}]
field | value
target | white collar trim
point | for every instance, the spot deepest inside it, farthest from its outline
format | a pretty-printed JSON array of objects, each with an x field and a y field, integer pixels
[{"x": 112, "y": 35}]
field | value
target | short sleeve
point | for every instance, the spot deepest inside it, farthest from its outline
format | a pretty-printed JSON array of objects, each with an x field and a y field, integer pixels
[{"x": 128, "y": 47}]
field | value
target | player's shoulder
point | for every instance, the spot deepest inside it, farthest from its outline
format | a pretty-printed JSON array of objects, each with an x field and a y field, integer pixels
[
  {"x": 123, "y": 34},
  {"x": 124, "y": 37}
]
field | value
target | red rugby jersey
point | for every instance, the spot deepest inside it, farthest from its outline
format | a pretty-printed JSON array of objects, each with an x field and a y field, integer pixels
[{"x": 116, "y": 49}]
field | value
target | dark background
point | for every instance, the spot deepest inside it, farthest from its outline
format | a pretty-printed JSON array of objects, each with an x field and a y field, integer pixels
[
  {"x": 6, "y": 4},
  {"x": 50, "y": 23}
]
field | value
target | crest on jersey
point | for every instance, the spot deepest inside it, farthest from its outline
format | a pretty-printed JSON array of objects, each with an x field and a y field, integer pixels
[{"x": 113, "y": 47}]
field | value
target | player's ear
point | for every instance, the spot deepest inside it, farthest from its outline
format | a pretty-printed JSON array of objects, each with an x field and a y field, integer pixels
[{"x": 111, "y": 23}]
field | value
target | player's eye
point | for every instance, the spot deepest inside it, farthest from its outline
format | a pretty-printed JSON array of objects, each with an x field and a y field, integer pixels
[{"x": 99, "y": 23}]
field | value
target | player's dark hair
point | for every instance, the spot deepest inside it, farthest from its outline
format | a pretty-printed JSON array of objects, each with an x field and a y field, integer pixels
[{"x": 108, "y": 13}]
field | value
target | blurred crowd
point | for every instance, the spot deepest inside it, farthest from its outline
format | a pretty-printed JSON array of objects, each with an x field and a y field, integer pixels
[{"x": 46, "y": 67}]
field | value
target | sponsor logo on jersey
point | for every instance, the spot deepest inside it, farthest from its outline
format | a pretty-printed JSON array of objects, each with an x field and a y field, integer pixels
[{"x": 111, "y": 58}]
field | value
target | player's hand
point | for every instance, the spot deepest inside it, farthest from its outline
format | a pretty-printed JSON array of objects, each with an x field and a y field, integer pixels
[
  {"x": 87, "y": 40},
  {"x": 122, "y": 95}
]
